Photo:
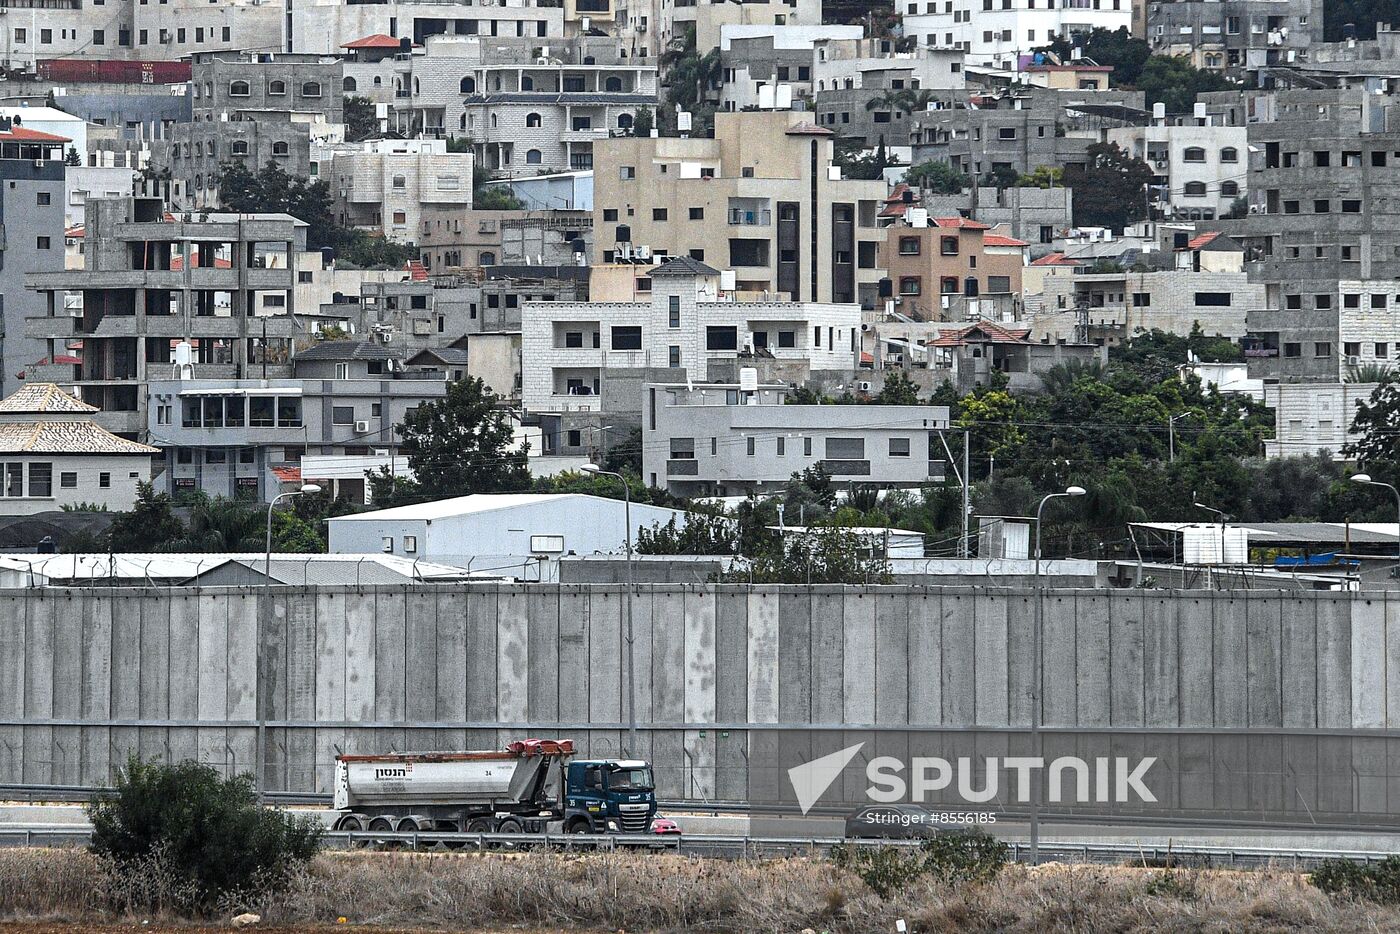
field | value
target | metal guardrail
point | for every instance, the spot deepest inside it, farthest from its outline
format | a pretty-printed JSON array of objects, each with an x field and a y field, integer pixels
[{"x": 747, "y": 847}]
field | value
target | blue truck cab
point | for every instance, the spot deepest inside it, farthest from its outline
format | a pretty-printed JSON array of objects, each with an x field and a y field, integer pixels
[{"x": 609, "y": 796}]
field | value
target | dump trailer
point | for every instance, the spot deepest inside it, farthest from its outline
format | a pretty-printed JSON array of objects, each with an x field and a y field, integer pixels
[{"x": 532, "y": 786}]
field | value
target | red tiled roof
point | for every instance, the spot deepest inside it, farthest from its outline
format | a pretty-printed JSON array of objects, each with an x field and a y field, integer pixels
[
  {"x": 1103, "y": 68},
  {"x": 377, "y": 41},
  {"x": 61, "y": 358},
  {"x": 177, "y": 263},
  {"x": 75, "y": 233},
  {"x": 999, "y": 240},
  {"x": 1196, "y": 242},
  {"x": 287, "y": 474},
  {"x": 1055, "y": 259},
  {"x": 993, "y": 332},
  {"x": 24, "y": 134},
  {"x": 416, "y": 270},
  {"x": 960, "y": 222}
]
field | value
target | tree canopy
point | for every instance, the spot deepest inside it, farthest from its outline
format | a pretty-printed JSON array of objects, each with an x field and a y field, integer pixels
[{"x": 1110, "y": 188}]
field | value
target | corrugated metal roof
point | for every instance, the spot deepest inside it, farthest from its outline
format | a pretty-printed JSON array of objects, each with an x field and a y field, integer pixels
[
  {"x": 482, "y": 502},
  {"x": 1311, "y": 533}
]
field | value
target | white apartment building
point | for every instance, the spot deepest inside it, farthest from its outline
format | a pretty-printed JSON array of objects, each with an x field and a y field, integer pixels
[
  {"x": 326, "y": 26},
  {"x": 385, "y": 185},
  {"x": 858, "y": 64},
  {"x": 995, "y": 32},
  {"x": 526, "y": 106},
  {"x": 1199, "y": 167},
  {"x": 155, "y": 31},
  {"x": 1310, "y": 418},
  {"x": 567, "y": 348},
  {"x": 758, "y": 55}
]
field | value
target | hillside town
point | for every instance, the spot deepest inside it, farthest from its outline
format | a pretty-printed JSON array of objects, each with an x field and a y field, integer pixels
[{"x": 750, "y": 326}]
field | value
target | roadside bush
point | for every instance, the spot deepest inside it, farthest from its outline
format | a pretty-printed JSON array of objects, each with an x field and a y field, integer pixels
[
  {"x": 1376, "y": 882},
  {"x": 206, "y": 833},
  {"x": 951, "y": 858}
]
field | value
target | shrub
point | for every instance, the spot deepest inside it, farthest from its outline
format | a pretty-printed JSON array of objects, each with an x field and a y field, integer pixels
[
  {"x": 205, "y": 830},
  {"x": 951, "y": 858},
  {"x": 1376, "y": 882}
]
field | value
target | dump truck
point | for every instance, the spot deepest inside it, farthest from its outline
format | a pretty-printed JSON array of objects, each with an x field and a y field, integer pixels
[{"x": 532, "y": 786}]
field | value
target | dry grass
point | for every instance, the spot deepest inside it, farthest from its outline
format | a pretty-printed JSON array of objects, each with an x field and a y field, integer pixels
[{"x": 669, "y": 893}]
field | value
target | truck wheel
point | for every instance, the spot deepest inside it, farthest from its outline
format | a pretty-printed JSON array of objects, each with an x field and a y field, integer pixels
[
  {"x": 479, "y": 825},
  {"x": 579, "y": 826},
  {"x": 382, "y": 824},
  {"x": 509, "y": 825},
  {"x": 353, "y": 823},
  {"x": 451, "y": 826}
]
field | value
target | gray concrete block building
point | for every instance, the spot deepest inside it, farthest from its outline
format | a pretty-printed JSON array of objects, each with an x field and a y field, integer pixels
[{"x": 716, "y": 439}]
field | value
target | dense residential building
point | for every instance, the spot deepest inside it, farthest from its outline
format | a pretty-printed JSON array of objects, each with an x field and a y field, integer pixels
[
  {"x": 865, "y": 90},
  {"x": 253, "y": 109},
  {"x": 1201, "y": 285},
  {"x": 1200, "y": 166},
  {"x": 324, "y": 27},
  {"x": 763, "y": 199},
  {"x": 526, "y": 106},
  {"x": 136, "y": 32},
  {"x": 1239, "y": 37},
  {"x": 754, "y": 57},
  {"x": 244, "y": 437},
  {"x": 54, "y": 456},
  {"x": 953, "y": 268},
  {"x": 709, "y": 18},
  {"x": 31, "y": 207},
  {"x": 1322, "y": 232},
  {"x": 1313, "y": 418},
  {"x": 208, "y": 296},
  {"x": 728, "y": 439},
  {"x": 582, "y": 360},
  {"x": 1036, "y": 215},
  {"x": 999, "y": 36},
  {"x": 389, "y": 186}
]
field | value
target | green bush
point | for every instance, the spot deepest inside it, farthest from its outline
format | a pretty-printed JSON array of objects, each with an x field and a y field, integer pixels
[
  {"x": 206, "y": 830},
  {"x": 951, "y": 858},
  {"x": 1376, "y": 882}
]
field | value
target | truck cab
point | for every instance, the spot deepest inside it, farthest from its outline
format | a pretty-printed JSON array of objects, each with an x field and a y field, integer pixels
[{"x": 603, "y": 795}]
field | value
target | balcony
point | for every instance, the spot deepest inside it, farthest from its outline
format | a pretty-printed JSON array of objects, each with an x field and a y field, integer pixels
[
  {"x": 683, "y": 468},
  {"x": 742, "y": 218}
]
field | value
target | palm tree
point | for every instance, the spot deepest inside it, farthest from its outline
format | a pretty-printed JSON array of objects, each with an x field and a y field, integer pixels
[
  {"x": 887, "y": 100},
  {"x": 914, "y": 100},
  {"x": 1060, "y": 377}
]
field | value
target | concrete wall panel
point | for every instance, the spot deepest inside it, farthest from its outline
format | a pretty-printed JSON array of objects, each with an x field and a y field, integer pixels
[
  {"x": 1298, "y": 661},
  {"x": 606, "y": 656},
  {"x": 893, "y": 657},
  {"x": 513, "y": 656},
  {"x": 860, "y": 689},
  {"x": 1060, "y": 653},
  {"x": 761, "y": 688},
  {"x": 1263, "y": 647},
  {"x": 989, "y": 652},
  {"x": 828, "y": 655},
  {"x": 1368, "y": 659},
  {"x": 926, "y": 657},
  {"x": 1334, "y": 662}
]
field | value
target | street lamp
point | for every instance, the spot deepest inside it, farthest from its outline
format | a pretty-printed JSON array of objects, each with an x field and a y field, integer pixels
[
  {"x": 631, "y": 694},
  {"x": 1365, "y": 478},
  {"x": 1171, "y": 433},
  {"x": 264, "y": 620},
  {"x": 1224, "y": 517},
  {"x": 1038, "y": 678}
]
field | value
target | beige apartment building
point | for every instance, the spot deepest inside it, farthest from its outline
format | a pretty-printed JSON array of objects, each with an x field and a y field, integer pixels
[
  {"x": 762, "y": 199},
  {"x": 953, "y": 268}
]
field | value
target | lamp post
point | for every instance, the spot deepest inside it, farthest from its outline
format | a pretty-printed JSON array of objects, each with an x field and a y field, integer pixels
[
  {"x": 1224, "y": 517},
  {"x": 1038, "y": 678},
  {"x": 1171, "y": 433},
  {"x": 1365, "y": 478},
  {"x": 631, "y": 693},
  {"x": 264, "y": 620}
]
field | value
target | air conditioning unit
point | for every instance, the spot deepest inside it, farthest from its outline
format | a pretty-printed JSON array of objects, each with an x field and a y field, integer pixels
[
  {"x": 1160, "y": 163},
  {"x": 38, "y": 163},
  {"x": 1353, "y": 361},
  {"x": 863, "y": 385},
  {"x": 361, "y": 427}
]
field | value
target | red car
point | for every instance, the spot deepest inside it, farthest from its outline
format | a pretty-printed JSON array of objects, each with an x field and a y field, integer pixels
[{"x": 664, "y": 825}]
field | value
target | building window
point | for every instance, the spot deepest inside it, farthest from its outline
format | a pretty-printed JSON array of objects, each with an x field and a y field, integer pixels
[
  {"x": 909, "y": 246},
  {"x": 1322, "y": 349},
  {"x": 899, "y": 447},
  {"x": 238, "y": 89},
  {"x": 721, "y": 338},
  {"x": 845, "y": 449},
  {"x": 1229, "y": 189},
  {"x": 948, "y": 246},
  {"x": 673, "y": 357},
  {"x": 43, "y": 198},
  {"x": 1221, "y": 299},
  {"x": 910, "y": 285},
  {"x": 277, "y": 87},
  {"x": 342, "y": 415},
  {"x": 42, "y": 243},
  {"x": 533, "y": 157},
  {"x": 1229, "y": 154},
  {"x": 697, "y": 214},
  {"x": 239, "y": 147},
  {"x": 750, "y": 446},
  {"x": 68, "y": 480},
  {"x": 1194, "y": 189},
  {"x": 1193, "y": 154},
  {"x": 280, "y": 149},
  {"x": 658, "y": 214},
  {"x": 627, "y": 337},
  {"x": 104, "y": 481},
  {"x": 41, "y": 479},
  {"x": 311, "y": 89}
]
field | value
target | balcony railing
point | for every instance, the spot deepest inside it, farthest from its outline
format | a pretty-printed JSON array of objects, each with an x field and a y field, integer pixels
[{"x": 741, "y": 218}]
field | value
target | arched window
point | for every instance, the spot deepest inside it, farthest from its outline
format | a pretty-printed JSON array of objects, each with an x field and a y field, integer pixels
[
  {"x": 415, "y": 87},
  {"x": 239, "y": 147},
  {"x": 624, "y": 121},
  {"x": 199, "y": 149},
  {"x": 311, "y": 89},
  {"x": 533, "y": 120},
  {"x": 1229, "y": 189},
  {"x": 1194, "y": 154},
  {"x": 487, "y": 258},
  {"x": 280, "y": 149},
  {"x": 1229, "y": 154},
  {"x": 349, "y": 84},
  {"x": 462, "y": 121},
  {"x": 238, "y": 89},
  {"x": 613, "y": 85},
  {"x": 378, "y": 81},
  {"x": 1194, "y": 189},
  {"x": 533, "y": 157},
  {"x": 400, "y": 182},
  {"x": 277, "y": 87},
  {"x": 468, "y": 85},
  {"x": 199, "y": 181}
]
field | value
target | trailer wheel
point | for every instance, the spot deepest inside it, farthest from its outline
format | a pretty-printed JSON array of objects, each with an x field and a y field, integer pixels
[
  {"x": 353, "y": 823},
  {"x": 383, "y": 824},
  {"x": 451, "y": 826},
  {"x": 510, "y": 825},
  {"x": 479, "y": 825},
  {"x": 415, "y": 825}
]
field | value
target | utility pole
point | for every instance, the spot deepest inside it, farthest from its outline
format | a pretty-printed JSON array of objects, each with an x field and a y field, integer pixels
[{"x": 966, "y": 498}]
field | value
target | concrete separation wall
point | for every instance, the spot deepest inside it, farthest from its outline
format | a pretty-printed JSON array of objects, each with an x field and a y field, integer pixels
[{"x": 88, "y": 675}]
